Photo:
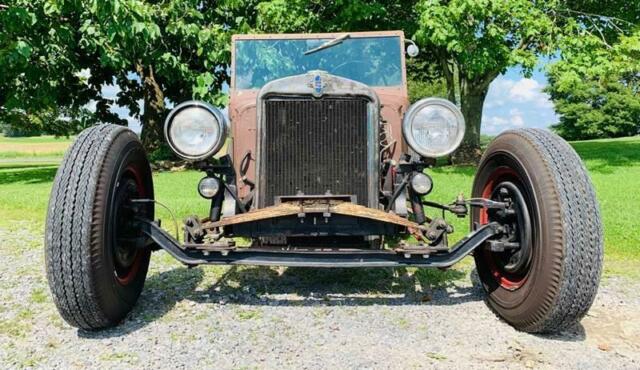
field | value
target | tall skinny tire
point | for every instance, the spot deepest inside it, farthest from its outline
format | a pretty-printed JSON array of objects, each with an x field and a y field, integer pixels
[
  {"x": 96, "y": 265},
  {"x": 549, "y": 282}
]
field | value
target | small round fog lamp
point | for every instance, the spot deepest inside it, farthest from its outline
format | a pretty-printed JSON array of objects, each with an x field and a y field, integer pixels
[
  {"x": 209, "y": 187},
  {"x": 421, "y": 183}
]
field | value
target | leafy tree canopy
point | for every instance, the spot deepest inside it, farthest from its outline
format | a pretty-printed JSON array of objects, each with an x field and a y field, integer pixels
[
  {"x": 474, "y": 41},
  {"x": 61, "y": 53},
  {"x": 56, "y": 55},
  {"x": 596, "y": 87}
]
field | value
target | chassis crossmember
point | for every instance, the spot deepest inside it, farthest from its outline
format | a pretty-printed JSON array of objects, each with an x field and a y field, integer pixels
[{"x": 321, "y": 257}]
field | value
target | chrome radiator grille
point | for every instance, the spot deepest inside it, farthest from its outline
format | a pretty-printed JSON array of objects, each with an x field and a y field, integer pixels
[{"x": 313, "y": 146}]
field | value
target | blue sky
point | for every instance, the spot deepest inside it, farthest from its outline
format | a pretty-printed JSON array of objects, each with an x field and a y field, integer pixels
[{"x": 513, "y": 101}]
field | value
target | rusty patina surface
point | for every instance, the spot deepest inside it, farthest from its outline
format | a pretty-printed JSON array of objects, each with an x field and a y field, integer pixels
[
  {"x": 320, "y": 207},
  {"x": 394, "y": 101}
]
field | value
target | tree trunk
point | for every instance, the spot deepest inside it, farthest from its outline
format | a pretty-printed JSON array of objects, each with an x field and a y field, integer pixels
[
  {"x": 152, "y": 118},
  {"x": 472, "y": 101}
]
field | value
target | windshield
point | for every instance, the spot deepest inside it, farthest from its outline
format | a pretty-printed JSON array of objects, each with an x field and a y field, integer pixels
[{"x": 375, "y": 61}]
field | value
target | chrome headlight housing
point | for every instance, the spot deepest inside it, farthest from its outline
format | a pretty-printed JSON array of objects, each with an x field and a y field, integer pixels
[
  {"x": 195, "y": 130},
  {"x": 208, "y": 187},
  {"x": 433, "y": 127}
]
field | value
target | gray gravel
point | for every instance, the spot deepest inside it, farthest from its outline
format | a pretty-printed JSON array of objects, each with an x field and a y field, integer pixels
[{"x": 220, "y": 317}]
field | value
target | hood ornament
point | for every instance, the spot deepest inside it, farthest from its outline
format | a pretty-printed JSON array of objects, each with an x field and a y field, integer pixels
[{"x": 317, "y": 83}]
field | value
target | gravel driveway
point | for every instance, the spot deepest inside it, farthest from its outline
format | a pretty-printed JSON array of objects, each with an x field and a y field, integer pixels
[{"x": 220, "y": 317}]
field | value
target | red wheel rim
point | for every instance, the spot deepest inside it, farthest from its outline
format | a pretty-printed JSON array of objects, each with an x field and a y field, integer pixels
[
  {"x": 132, "y": 271},
  {"x": 506, "y": 280}
]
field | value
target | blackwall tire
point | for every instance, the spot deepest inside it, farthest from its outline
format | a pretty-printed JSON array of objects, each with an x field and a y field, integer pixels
[
  {"x": 94, "y": 277},
  {"x": 556, "y": 288}
]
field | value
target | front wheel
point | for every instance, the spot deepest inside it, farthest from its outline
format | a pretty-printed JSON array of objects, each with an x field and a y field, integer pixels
[
  {"x": 549, "y": 281},
  {"x": 96, "y": 263}
]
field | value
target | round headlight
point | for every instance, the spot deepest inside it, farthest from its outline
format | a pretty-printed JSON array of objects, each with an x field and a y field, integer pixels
[
  {"x": 208, "y": 187},
  {"x": 433, "y": 127},
  {"x": 421, "y": 183},
  {"x": 195, "y": 130}
]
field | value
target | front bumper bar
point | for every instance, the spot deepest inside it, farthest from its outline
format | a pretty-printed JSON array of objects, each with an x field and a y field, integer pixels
[{"x": 279, "y": 256}]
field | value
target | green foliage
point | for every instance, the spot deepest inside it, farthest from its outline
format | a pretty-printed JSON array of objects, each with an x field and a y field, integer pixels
[
  {"x": 56, "y": 55},
  {"x": 473, "y": 41},
  {"x": 10, "y": 131},
  {"x": 37, "y": 62},
  {"x": 334, "y": 16},
  {"x": 162, "y": 153},
  {"x": 485, "y": 37},
  {"x": 63, "y": 121},
  {"x": 419, "y": 89},
  {"x": 423, "y": 79},
  {"x": 596, "y": 87},
  {"x": 185, "y": 43}
]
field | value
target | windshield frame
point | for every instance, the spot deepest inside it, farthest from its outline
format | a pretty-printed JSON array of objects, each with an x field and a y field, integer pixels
[{"x": 332, "y": 35}]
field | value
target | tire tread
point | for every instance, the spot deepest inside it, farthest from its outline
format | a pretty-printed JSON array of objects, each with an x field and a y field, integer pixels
[
  {"x": 574, "y": 219},
  {"x": 69, "y": 231}
]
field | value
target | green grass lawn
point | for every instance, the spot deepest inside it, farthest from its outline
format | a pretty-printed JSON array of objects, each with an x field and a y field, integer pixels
[
  {"x": 614, "y": 166},
  {"x": 32, "y": 150},
  {"x": 44, "y": 139}
]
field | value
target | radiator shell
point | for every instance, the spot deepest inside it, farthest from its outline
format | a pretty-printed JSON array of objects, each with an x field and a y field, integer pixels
[
  {"x": 315, "y": 146},
  {"x": 340, "y": 155}
]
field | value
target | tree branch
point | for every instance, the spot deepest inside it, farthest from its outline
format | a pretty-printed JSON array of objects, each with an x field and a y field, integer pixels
[
  {"x": 604, "y": 40},
  {"x": 606, "y": 17}
]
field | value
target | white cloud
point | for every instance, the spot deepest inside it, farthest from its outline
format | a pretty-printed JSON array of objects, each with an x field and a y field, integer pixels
[
  {"x": 527, "y": 90},
  {"x": 514, "y": 102},
  {"x": 503, "y": 84},
  {"x": 494, "y": 121},
  {"x": 494, "y": 124},
  {"x": 504, "y": 91},
  {"x": 515, "y": 116},
  {"x": 524, "y": 90},
  {"x": 494, "y": 103},
  {"x": 497, "y": 124}
]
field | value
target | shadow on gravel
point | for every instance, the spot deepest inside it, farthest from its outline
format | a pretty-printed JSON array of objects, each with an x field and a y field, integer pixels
[
  {"x": 306, "y": 287},
  {"x": 160, "y": 295},
  {"x": 263, "y": 286},
  {"x": 348, "y": 287},
  {"x": 576, "y": 333}
]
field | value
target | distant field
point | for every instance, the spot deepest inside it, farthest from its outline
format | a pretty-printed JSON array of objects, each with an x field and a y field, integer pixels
[
  {"x": 46, "y": 149},
  {"x": 614, "y": 165}
]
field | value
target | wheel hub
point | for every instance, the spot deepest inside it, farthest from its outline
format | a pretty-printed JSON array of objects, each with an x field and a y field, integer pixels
[
  {"x": 126, "y": 233},
  {"x": 512, "y": 253}
]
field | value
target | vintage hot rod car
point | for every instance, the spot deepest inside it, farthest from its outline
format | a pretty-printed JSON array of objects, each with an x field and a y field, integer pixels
[{"x": 327, "y": 165}]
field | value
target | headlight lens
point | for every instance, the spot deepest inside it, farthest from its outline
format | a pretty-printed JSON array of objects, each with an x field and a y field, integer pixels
[
  {"x": 433, "y": 127},
  {"x": 421, "y": 183},
  {"x": 208, "y": 187},
  {"x": 195, "y": 130}
]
